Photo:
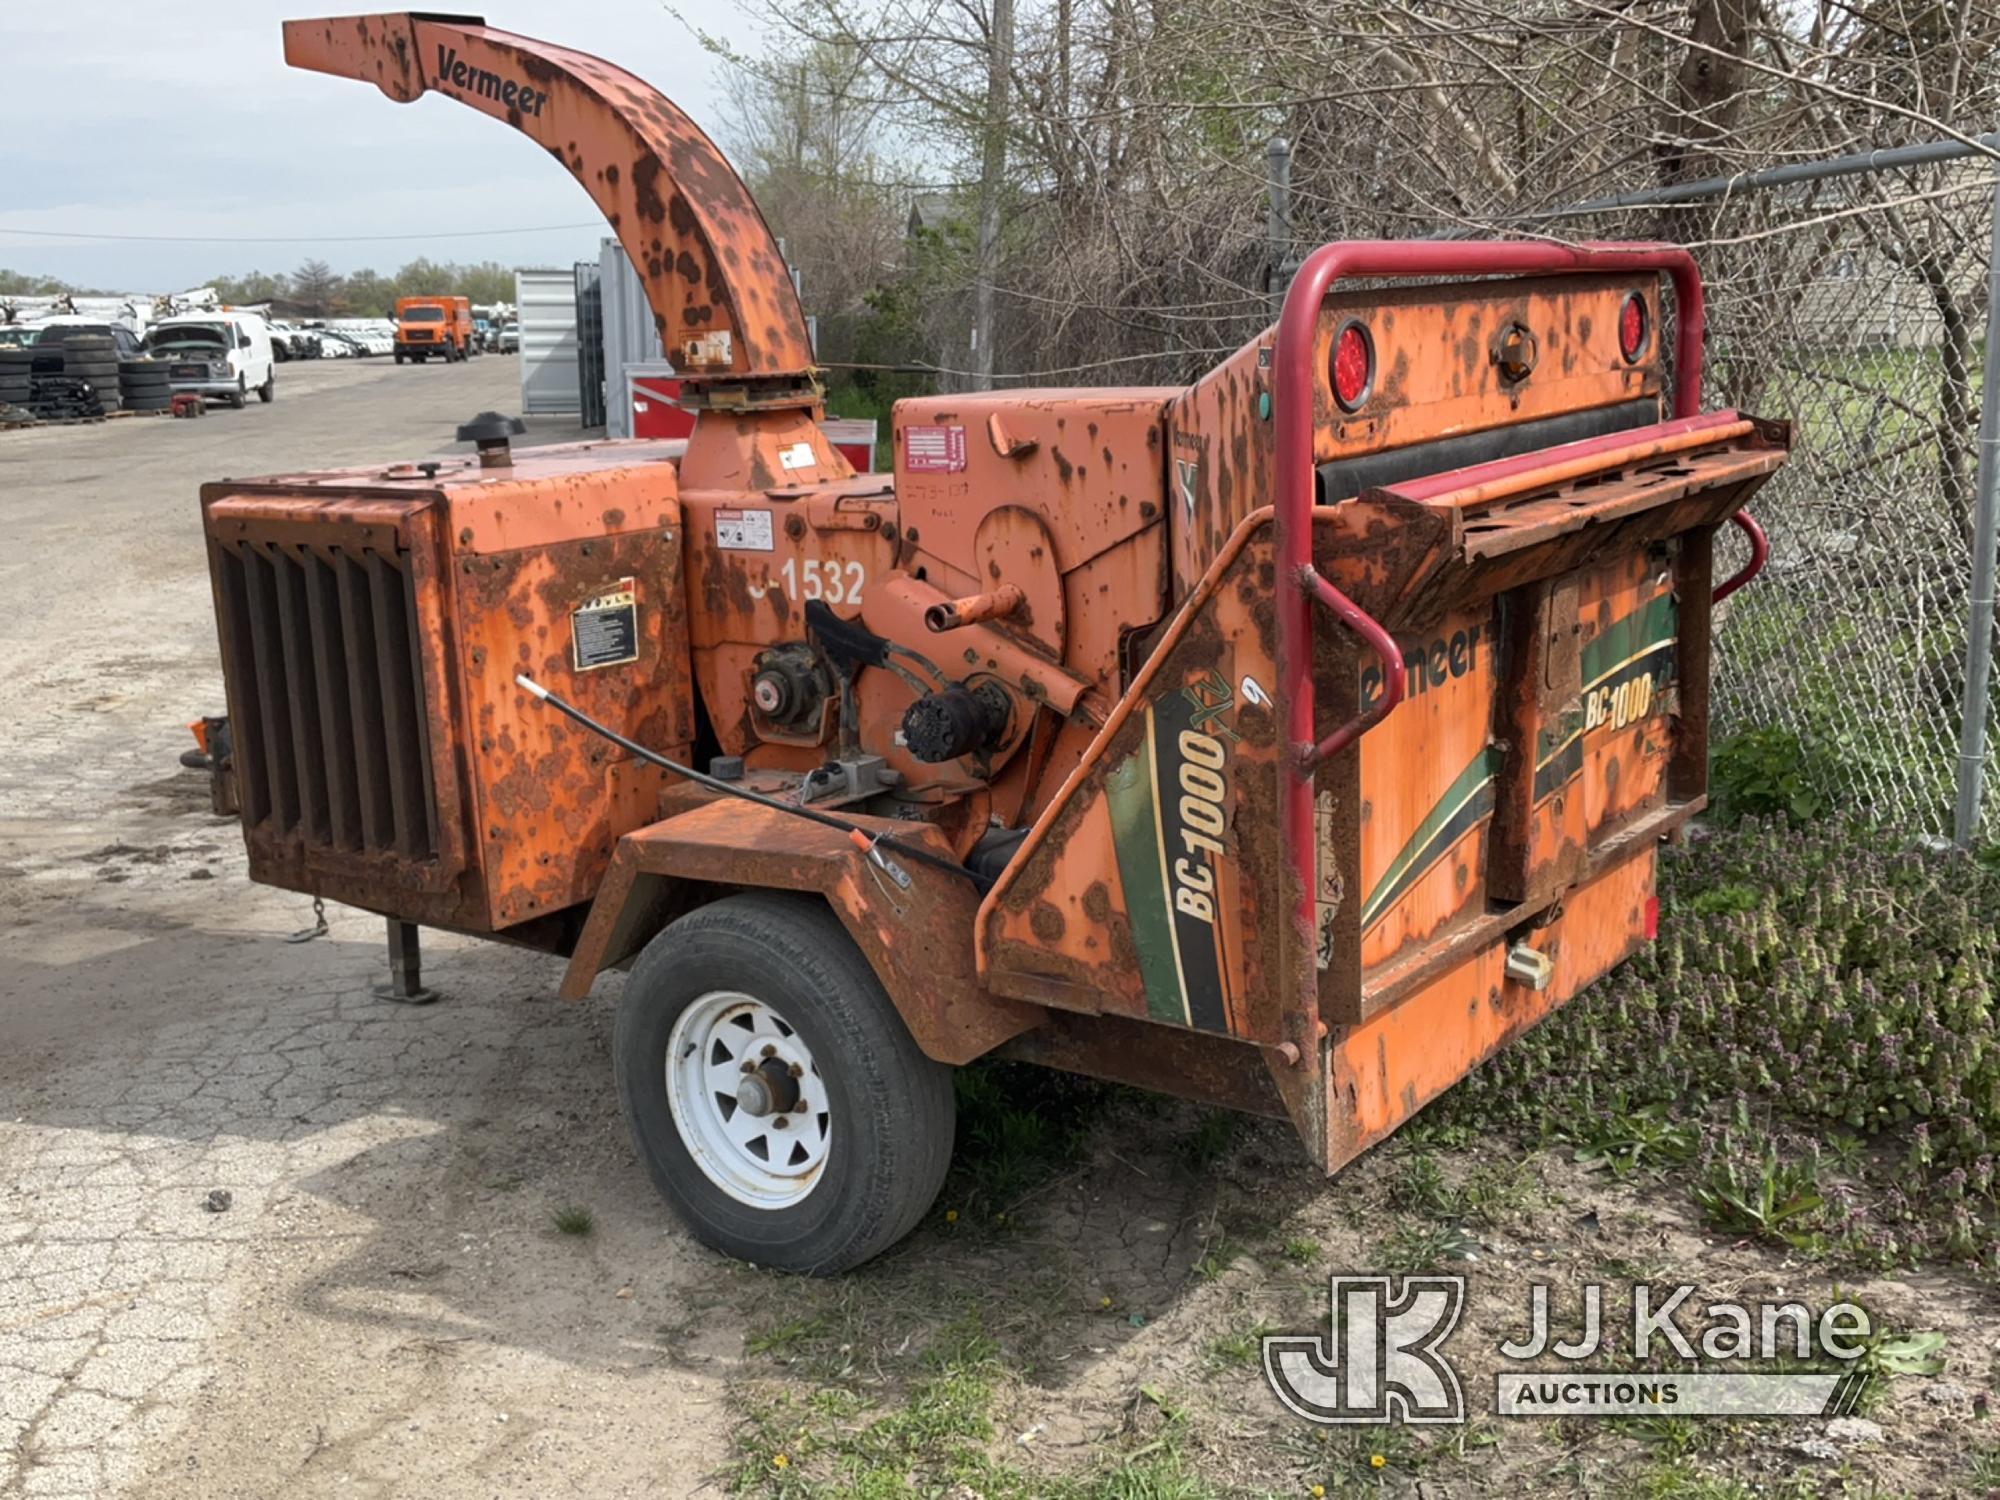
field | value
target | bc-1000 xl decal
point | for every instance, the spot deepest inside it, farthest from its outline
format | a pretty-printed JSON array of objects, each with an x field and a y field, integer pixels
[{"x": 1170, "y": 809}]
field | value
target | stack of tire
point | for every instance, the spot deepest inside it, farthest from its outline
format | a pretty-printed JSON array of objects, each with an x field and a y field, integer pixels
[
  {"x": 93, "y": 358},
  {"x": 17, "y": 382},
  {"x": 142, "y": 385}
]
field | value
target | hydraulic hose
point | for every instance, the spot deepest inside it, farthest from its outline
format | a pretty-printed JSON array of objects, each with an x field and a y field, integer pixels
[{"x": 868, "y": 837}]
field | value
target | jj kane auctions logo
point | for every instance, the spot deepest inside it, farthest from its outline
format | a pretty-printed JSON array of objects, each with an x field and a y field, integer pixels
[{"x": 1382, "y": 1358}]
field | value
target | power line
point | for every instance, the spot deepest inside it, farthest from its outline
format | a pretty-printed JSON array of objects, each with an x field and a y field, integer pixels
[{"x": 291, "y": 239}]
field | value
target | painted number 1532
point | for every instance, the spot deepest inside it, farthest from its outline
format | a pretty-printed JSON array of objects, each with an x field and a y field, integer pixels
[{"x": 831, "y": 579}]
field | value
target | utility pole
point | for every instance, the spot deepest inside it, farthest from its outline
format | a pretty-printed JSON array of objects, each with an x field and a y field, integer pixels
[
  {"x": 992, "y": 167},
  {"x": 1278, "y": 265}
]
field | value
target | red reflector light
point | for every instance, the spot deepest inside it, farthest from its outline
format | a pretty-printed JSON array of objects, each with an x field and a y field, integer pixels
[
  {"x": 1353, "y": 366},
  {"x": 1652, "y": 918},
  {"x": 1632, "y": 328}
]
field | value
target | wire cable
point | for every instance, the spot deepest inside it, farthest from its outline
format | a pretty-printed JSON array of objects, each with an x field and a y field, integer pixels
[
  {"x": 290, "y": 239},
  {"x": 874, "y": 840}
]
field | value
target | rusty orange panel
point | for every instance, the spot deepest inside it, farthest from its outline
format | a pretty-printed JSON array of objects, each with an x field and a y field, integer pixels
[
  {"x": 551, "y": 798},
  {"x": 1152, "y": 888},
  {"x": 1384, "y": 1070},
  {"x": 1436, "y": 377},
  {"x": 1628, "y": 618},
  {"x": 918, "y": 942},
  {"x": 1427, "y": 785},
  {"x": 1091, "y": 464}
]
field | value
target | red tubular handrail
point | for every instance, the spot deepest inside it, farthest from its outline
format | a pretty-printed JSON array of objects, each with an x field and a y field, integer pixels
[
  {"x": 1760, "y": 553},
  {"x": 1395, "y": 679},
  {"x": 1297, "y": 382}
]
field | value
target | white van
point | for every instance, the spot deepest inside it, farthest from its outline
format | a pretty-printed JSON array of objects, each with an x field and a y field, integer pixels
[{"x": 225, "y": 354}]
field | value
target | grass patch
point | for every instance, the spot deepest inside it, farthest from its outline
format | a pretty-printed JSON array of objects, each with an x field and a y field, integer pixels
[
  {"x": 574, "y": 1219},
  {"x": 1019, "y": 1129},
  {"x": 1811, "y": 983},
  {"x": 937, "y": 1438}
]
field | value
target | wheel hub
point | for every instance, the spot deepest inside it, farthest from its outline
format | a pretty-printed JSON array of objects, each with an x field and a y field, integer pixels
[
  {"x": 768, "y": 1088},
  {"x": 748, "y": 1100}
]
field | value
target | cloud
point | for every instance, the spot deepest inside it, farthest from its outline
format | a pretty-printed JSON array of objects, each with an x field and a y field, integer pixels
[{"x": 142, "y": 119}]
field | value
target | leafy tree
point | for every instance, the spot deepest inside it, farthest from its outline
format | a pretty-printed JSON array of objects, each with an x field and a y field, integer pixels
[
  {"x": 251, "y": 288},
  {"x": 316, "y": 287}
]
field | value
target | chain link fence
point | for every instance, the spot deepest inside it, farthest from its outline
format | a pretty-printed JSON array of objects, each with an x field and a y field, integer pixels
[{"x": 1855, "y": 306}]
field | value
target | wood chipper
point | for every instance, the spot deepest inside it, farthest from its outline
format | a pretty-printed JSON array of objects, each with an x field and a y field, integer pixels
[{"x": 1287, "y": 742}]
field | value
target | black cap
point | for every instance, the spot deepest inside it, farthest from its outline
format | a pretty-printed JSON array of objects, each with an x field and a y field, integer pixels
[{"x": 491, "y": 427}]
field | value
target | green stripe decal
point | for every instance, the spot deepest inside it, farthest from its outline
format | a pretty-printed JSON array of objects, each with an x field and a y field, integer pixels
[
  {"x": 1465, "y": 802},
  {"x": 1135, "y": 833},
  {"x": 1629, "y": 647},
  {"x": 1648, "y": 627}
]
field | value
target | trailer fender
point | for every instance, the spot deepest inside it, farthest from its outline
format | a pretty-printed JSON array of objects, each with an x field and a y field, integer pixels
[{"x": 917, "y": 939}]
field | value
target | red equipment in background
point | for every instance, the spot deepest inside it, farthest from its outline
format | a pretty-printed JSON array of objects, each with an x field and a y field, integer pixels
[{"x": 655, "y": 394}]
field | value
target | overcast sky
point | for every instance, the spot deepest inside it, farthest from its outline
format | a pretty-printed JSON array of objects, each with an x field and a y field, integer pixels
[{"x": 143, "y": 117}]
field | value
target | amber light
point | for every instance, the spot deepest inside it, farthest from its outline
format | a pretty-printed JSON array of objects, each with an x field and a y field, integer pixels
[
  {"x": 1353, "y": 366},
  {"x": 1633, "y": 328}
]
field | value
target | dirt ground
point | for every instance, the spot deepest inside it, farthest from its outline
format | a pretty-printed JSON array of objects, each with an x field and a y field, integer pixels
[{"x": 385, "y": 1306}]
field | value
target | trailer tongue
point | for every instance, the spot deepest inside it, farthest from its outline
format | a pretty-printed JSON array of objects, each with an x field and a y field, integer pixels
[{"x": 1289, "y": 741}]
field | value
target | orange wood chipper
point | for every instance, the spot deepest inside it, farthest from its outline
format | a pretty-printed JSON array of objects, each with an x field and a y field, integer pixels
[{"x": 1287, "y": 742}]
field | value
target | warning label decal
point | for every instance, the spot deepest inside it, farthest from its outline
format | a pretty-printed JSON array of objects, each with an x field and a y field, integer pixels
[
  {"x": 604, "y": 632},
  {"x": 934, "y": 450},
  {"x": 743, "y": 530}
]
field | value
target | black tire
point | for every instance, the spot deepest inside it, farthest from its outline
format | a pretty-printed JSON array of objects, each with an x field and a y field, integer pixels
[
  {"x": 240, "y": 396},
  {"x": 149, "y": 403},
  {"x": 399, "y": 359},
  {"x": 892, "y": 1107},
  {"x": 268, "y": 391}
]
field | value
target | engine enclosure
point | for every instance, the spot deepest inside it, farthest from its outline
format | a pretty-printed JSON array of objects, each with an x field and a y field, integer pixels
[{"x": 372, "y": 622}]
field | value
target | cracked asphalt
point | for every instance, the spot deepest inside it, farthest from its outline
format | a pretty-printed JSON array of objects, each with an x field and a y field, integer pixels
[{"x": 380, "y": 1305}]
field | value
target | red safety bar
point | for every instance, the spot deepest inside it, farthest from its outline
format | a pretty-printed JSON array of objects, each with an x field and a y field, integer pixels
[
  {"x": 1760, "y": 553},
  {"x": 1297, "y": 382}
]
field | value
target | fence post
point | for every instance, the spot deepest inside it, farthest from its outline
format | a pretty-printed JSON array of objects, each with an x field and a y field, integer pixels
[{"x": 1985, "y": 532}]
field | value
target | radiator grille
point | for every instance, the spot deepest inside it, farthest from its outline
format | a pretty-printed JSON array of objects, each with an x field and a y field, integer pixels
[{"x": 331, "y": 739}]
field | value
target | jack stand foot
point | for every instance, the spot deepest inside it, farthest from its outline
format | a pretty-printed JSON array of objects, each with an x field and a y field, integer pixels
[{"x": 406, "y": 982}]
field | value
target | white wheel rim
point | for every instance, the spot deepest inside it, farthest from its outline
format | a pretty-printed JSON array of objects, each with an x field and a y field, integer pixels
[{"x": 748, "y": 1100}]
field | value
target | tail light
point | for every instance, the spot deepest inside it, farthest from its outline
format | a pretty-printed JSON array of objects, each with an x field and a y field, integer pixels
[
  {"x": 1353, "y": 366},
  {"x": 1652, "y": 918},
  {"x": 1634, "y": 328}
]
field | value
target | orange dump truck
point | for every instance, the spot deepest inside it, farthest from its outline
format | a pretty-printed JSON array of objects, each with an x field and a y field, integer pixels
[
  {"x": 434, "y": 325},
  {"x": 1288, "y": 741}
]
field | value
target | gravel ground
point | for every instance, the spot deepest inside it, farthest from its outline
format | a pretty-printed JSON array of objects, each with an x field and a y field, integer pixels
[{"x": 384, "y": 1307}]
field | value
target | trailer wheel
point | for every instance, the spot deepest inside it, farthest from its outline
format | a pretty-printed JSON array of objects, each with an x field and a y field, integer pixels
[{"x": 776, "y": 1096}]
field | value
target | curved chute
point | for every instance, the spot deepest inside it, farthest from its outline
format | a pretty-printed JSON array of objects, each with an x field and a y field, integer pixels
[{"x": 721, "y": 295}]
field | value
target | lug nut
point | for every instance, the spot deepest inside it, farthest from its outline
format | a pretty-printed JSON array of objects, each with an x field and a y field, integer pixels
[
  {"x": 798, "y": 1070},
  {"x": 749, "y": 1067},
  {"x": 780, "y": 1123},
  {"x": 769, "y": 1051}
]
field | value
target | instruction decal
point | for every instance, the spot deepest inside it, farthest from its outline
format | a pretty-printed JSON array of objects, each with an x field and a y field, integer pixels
[
  {"x": 744, "y": 530},
  {"x": 604, "y": 631},
  {"x": 934, "y": 450}
]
